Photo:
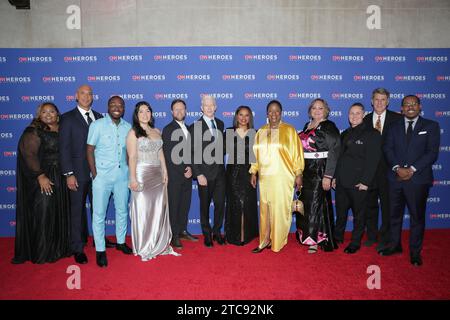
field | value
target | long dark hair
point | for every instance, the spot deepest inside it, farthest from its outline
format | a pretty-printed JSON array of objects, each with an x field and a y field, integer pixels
[
  {"x": 36, "y": 122},
  {"x": 138, "y": 130},
  {"x": 250, "y": 120}
]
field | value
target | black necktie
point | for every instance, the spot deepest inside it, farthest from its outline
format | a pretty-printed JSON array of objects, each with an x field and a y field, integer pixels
[
  {"x": 409, "y": 131},
  {"x": 89, "y": 119}
]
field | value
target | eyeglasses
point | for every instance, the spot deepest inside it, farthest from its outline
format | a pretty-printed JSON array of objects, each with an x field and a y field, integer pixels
[{"x": 413, "y": 104}]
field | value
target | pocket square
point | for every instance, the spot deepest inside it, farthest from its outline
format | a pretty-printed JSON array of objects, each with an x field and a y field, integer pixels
[
  {"x": 422, "y": 132},
  {"x": 359, "y": 142}
]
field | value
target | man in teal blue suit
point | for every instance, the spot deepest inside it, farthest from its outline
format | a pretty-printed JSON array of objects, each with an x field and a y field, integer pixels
[{"x": 106, "y": 154}]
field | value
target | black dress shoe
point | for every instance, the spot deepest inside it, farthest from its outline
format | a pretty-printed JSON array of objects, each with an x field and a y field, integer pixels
[
  {"x": 259, "y": 250},
  {"x": 327, "y": 246},
  {"x": 124, "y": 248},
  {"x": 335, "y": 245},
  {"x": 219, "y": 239},
  {"x": 416, "y": 261},
  {"x": 338, "y": 241},
  {"x": 208, "y": 241},
  {"x": 187, "y": 236},
  {"x": 390, "y": 251},
  {"x": 176, "y": 243},
  {"x": 80, "y": 257},
  {"x": 351, "y": 249},
  {"x": 102, "y": 261},
  {"x": 109, "y": 243},
  {"x": 369, "y": 243},
  {"x": 16, "y": 260},
  {"x": 382, "y": 246}
]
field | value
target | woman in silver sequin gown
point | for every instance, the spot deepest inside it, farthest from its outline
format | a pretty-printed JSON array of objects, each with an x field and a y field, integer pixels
[{"x": 149, "y": 211}]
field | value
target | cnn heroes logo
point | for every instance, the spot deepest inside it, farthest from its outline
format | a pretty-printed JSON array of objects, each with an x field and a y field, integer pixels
[
  {"x": 35, "y": 59},
  {"x": 37, "y": 98},
  {"x": 14, "y": 79}
]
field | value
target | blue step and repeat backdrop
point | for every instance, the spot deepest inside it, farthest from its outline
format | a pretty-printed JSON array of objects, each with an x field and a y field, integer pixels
[{"x": 235, "y": 76}]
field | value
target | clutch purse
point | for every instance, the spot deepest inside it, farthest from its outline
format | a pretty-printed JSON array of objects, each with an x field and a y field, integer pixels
[
  {"x": 140, "y": 187},
  {"x": 297, "y": 204}
]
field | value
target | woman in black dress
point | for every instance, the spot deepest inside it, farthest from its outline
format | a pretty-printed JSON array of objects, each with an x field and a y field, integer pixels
[
  {"x": 241, "y": 219},
  {"x": 321, "y": 143},
  {"x": 42, "y": 204}
]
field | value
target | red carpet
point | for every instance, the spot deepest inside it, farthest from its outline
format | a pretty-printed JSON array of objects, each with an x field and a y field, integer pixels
[{"x": 232, "y": 272}]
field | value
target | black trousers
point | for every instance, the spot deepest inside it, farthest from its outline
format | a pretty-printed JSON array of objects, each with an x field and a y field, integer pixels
[
  {"x": 373, "y": 210},
  {"x": 414, "y": 197},
  {"x": 215, "y": 190},
  {"x": 179, "y": 194},
  {"x": 356, "y": 200},
  {"x": 79, "y": 224}
]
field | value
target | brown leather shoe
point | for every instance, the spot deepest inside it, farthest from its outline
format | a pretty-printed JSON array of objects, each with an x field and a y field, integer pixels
[{"x": 187, "y": 236}]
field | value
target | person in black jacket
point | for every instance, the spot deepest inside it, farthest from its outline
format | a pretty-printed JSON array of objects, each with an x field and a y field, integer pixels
[
  {"x": 73, "y": 131},
  {"x": 208, "y": 168},
  {"x": 355, "y": 173},
  {"x": 176, "y": 136},
  {"x": 380, "y": 119}
]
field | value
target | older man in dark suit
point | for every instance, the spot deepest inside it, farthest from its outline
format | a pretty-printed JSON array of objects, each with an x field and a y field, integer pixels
[
  {"x": 208, "y": 168},
  {"x": 381, "y": 119},
  {"x": 411, "y": 148}
]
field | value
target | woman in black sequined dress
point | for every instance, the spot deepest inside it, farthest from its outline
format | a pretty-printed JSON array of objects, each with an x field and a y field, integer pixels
[{"x": 241, "y": 218}]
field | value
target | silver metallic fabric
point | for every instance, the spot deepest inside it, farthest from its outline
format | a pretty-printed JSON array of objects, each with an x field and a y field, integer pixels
[{"x": 149, "y": 210}]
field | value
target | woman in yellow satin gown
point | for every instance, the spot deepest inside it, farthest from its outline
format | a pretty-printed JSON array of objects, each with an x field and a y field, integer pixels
[{"x": 279, "y": 164}]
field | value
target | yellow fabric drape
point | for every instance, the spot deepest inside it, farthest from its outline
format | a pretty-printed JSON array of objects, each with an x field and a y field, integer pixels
[{"x": 279, "y": 159}]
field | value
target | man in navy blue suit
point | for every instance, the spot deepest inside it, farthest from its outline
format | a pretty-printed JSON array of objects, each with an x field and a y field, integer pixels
[
  {"x": 73, "y": 131},
  {"x": 411, "y": 147}
]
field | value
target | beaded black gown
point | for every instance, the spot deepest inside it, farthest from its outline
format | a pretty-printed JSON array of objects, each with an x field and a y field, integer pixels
[
  {"x": 42, "y": 221},
  {"x": 241, "y": 218},
  {"x": 316, "y": 226}
]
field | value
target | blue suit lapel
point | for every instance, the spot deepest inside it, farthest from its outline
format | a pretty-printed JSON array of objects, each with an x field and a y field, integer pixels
[
  {"x": 416, "y": 130},
  {"x": 80, "y": 117}
]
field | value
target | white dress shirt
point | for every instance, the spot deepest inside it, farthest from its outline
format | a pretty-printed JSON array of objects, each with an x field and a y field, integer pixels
[
  {"x": 83, "y": 113},
  {"x": 382, "y": 119},
  {"x": 208, "y": 122},
  {"x": 183, "y": 127},
  {"x": 413, "y": 124}
]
